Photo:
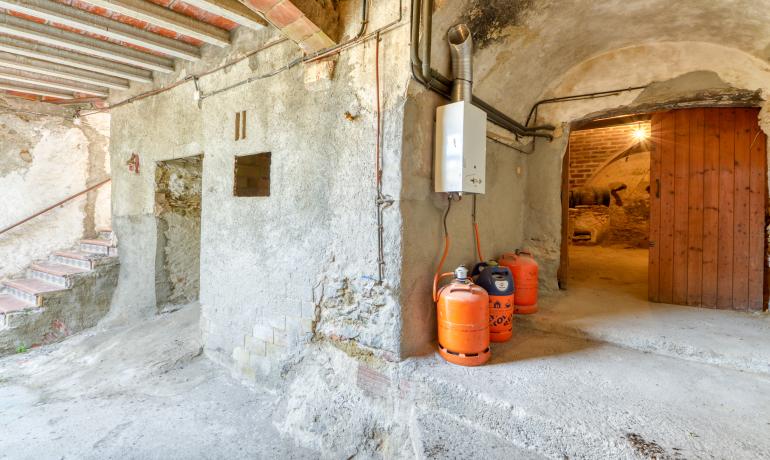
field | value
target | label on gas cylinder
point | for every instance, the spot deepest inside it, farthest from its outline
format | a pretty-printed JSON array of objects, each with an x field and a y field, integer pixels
[{"x": 501, "y": 285}]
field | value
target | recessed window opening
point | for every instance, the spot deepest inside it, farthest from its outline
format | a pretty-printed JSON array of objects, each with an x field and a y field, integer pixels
[{"x": 252, "y": 175}]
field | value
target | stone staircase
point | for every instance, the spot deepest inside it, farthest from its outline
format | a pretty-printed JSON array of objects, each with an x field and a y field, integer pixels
[{"x": 62, "y": 295}]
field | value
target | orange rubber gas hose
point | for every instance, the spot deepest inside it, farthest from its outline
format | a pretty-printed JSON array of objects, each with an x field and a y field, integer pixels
[
  {"x": 446, "y": 249},
  {"x": 478, "y": 243},
  {"x": 440, "y": 266}
]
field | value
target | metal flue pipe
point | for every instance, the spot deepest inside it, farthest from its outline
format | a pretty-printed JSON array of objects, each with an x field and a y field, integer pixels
[
  {"x": 461, "y": 50},
  {"x": 422, "y": 19}
]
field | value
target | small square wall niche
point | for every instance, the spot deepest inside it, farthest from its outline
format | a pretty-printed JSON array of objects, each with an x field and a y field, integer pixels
[{"x": 252, "y": 175}]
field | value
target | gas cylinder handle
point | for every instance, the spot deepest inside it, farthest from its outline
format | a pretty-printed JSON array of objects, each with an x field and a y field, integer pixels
[{"x": 436, "y": 280}]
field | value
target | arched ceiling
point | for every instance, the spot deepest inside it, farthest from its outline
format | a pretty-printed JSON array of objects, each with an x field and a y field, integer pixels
[{"x": 525, "y": 48}]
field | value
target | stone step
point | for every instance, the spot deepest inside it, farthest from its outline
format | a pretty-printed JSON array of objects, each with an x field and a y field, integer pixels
[
  {"x": 30, "y": 289},
  {"x": 97, "y": 246},
  {"x": 56, "y": 273},
  {"x": 11, "y": 304},
  {"x": 84, "y": 260}
]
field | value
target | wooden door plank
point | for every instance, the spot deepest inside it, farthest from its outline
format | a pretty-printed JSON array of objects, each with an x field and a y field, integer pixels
[
  {"x": 666, "y": 234},
  {"x": 710, "y": 208},
  {"x": 757, "y": 206},
  {"x": 563, "y": 273},
  {"x": 726, "y": 206},
  {"x": 744, "y": 121},
  {"x": 695, "y": 209},
  {"x": 681, "y": 214},
  {"x": 653, "y": 268}
]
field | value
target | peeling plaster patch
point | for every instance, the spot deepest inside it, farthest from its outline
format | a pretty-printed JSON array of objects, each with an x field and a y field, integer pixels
[
  {"x": 42, "y": 160},
  {"x": 681, "y": 85},
  {"x": 25, "y": 155},
  {"x": 357, "y": 309},
  {"x": 491, "y": 20},
  {"x": 17, "y": 138}
]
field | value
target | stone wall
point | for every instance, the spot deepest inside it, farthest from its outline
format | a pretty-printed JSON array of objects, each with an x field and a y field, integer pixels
[
  {"x": 45, "y": 157},
  {"x": 302, "y": 263}
]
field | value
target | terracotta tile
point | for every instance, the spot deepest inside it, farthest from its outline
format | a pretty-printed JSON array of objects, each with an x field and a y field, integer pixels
[{"x": 283, "y": 14}]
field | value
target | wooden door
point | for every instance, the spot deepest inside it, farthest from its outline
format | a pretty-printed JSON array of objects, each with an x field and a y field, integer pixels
[{"x": 708, "y": 195}]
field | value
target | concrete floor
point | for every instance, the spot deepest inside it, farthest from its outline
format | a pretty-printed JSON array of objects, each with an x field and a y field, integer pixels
[
  {"x": 624, "y": 378},
  {"x": 142, "y": 393},
  {"x": 560, "y": 397},
  {"x": 606, "y": 300},
  {"x": 145, "y": 392}
]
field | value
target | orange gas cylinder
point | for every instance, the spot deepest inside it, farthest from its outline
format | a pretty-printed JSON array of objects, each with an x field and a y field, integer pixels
[
  {"x": 463, "y": 320},
  {"x": 498, "y": 283},
  {"x": 524, "y": 269}
]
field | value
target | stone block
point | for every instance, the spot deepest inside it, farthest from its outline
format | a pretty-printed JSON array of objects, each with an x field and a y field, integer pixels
[
  {"x": 280, "y": 338},
  {"x": 254, "y": 346},
  {"x": 308, "y": 310},
  {"x": 240, "y": 356},
  {"x": 276, "y": 321},
  {"x": 263, "y": 332},
  {"x": 306, "y": 325},
  {"x": 293, "y": 323},
  {"x": 274, "y": 350}
]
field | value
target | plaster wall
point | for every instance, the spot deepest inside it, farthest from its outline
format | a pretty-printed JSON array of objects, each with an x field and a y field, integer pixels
[
  {"x": 301, "y": 264},
  {"x": 44, "y": 158}
]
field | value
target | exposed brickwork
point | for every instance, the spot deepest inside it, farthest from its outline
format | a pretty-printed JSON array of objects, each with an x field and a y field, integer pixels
[
  {"x": 590, "y": 149},
  {"x": 287, "y": 325}
]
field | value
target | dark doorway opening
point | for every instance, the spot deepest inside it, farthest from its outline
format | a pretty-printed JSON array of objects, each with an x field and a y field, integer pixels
[
  {"x": 178, "y": 215},
  {"x": 607, "y": 199},
  {"x": 679, "y": 197}
]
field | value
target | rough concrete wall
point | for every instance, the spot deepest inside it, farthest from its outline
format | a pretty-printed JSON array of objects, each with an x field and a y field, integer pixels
[
  {"x": 44, "y": 159},
  {"x": 499, "y": 215},
  {"x": 301, "y": 263}
]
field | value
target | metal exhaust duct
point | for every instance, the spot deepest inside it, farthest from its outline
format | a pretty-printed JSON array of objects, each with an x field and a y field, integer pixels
[{"x": 461, "y": 50}]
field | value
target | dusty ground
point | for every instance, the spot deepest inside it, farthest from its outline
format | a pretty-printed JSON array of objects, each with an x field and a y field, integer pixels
[{"x": 142, "y": 392}]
